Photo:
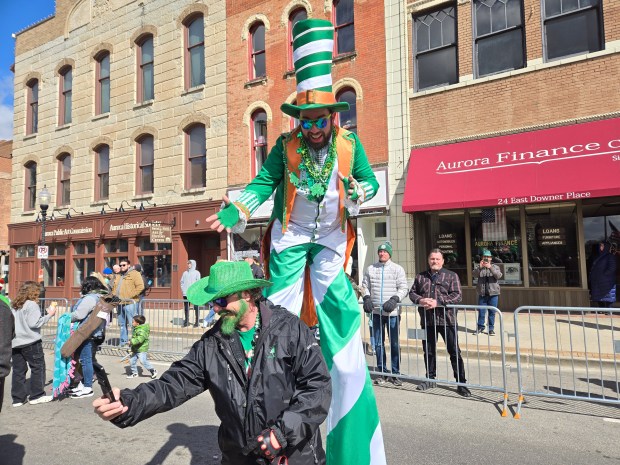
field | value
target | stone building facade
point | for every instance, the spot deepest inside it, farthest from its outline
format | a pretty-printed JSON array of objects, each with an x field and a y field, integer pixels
[{"x": 138, "y": 137}]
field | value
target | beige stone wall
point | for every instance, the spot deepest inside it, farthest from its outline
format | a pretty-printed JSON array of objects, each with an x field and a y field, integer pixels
[
  {"x": 77, "y": 31},
  {"x": 5, "y": 193}
]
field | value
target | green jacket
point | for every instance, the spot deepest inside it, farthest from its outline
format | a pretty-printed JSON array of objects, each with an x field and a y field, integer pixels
[
  {"x": 274, "y": 176},
  {"x": 140, "y": 338}
]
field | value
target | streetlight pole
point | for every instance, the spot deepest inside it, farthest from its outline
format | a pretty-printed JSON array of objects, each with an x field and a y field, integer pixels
[{"x": 44, "y": 203}]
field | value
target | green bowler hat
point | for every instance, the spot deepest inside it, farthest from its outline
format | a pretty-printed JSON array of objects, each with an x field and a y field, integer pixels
[
  {"x": 313, "y": 45},
  {"x": 224, "y": 278},
  {"x": 486, "y": 253}
]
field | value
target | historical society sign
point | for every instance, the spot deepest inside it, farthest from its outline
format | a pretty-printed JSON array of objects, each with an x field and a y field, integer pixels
[{"x": 161, "y": 234}]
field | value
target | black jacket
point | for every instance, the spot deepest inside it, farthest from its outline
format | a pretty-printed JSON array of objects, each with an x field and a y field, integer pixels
[{"x": 289, "y": 388}]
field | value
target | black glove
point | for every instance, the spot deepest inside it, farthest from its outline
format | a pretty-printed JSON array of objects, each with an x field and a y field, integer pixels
[
  {"x": 265, "y": 447},
  {"x": 368, "y": 307},
  {"x": 390, "y": 305}
]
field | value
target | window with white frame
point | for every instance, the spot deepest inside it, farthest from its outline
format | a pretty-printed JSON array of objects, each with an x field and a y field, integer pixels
[
  {"x": 572, "y": 27},
  {"x": 435, "y": 51},
  {"x": 498, "y": 36}
]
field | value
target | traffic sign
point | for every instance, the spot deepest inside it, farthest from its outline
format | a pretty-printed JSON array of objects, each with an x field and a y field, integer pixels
[{"x": 42, "y": 251}]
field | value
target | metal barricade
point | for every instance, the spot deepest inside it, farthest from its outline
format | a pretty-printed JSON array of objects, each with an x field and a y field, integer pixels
[
  {"x": 166, "y": 319},
  {"x": 483, "y": 355},
  {"x": 568, "y": 353}
]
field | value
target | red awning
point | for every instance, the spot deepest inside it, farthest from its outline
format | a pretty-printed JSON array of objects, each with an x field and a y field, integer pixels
[{"x": 550, "y": 165}]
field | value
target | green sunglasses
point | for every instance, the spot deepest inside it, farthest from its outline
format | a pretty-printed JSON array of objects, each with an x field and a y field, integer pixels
[{"x": 320, "y": 123}]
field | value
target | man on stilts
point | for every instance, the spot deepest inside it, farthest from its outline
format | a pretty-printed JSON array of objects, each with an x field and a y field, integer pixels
[{"x": 321, "y": 176}]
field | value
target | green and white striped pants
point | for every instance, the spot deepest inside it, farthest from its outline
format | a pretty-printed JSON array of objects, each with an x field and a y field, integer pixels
[{"x": 353, "y": 429}]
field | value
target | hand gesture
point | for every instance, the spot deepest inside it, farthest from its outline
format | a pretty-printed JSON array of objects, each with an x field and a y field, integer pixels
[
  {"x": 350, "y": 185},
  {"x": 109, "y": 410},
  {"x": 214, "y": 220}
]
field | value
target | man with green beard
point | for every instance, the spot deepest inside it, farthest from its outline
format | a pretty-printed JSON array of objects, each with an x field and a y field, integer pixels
[{"x": 262, "y": 366}]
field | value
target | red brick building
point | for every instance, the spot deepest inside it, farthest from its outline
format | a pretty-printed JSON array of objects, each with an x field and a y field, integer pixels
[
  {"x": 260, "y": 77},
  {"x": 525, "y": 104}
]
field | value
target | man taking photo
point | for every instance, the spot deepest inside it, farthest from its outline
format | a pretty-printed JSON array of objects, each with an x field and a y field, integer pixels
[{"x": 262, "y": 365}]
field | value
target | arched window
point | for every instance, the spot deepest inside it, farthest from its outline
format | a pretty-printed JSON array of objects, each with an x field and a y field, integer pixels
[
  {"x": 259, "y": 140},
  {"x": 196, "y": 157},
  {"x": 30, "y": 184},
  {"x": 64, "y": 179},
  {"x": 102, "y": 172},
  {"x": 32, "y": 111},
  {"x": 194, "y": 51},
  {"x": 65, "y": 96},
  {"x": 145, "y": 151},
  {"x": 257, "y": 66},
  {"x": 344, "y": 27},
  {"x": 348, "y": 119},
  {"x": 296, "y": 15},
  {"x": 146, "y": 80},
  {"x": 102, "y": 95}
]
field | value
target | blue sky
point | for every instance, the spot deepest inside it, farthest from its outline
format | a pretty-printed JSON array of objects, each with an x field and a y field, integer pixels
[{"x": 14, "y": 16}]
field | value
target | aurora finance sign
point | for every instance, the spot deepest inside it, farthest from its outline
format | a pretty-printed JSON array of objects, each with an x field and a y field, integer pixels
[
  {"x": 536, "y": 156},
  {"x": 565, "y": 163}
]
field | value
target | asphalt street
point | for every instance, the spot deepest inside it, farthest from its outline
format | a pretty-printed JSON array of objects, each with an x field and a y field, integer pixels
[{"x": 437, "y": 427}]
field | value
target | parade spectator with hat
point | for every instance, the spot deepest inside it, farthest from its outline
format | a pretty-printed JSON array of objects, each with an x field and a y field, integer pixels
[
  {"x": 261, "y": 364},
  {"x": 385, "y": 286}
]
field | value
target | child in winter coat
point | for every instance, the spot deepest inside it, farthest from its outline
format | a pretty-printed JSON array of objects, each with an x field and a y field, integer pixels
[{"x": 140, "y": 347}]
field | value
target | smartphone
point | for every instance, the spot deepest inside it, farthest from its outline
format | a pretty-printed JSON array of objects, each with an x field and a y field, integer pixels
[{"x": 104, "y": 382}]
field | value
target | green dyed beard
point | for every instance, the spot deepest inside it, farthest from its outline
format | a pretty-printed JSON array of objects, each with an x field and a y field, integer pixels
[{"x": 232, "y": 319}]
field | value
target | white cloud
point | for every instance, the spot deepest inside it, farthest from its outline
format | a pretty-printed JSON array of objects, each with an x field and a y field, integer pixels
[{"x": 6, "y": 107}]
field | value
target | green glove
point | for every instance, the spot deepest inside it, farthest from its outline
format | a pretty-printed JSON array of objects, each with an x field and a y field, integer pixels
[
  {"x": 347, "y": 183},
  {"x": 228, "y": 216}
]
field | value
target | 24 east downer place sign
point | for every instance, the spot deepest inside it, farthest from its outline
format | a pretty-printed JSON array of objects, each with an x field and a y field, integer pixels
[{"x": 550, "y": 165}]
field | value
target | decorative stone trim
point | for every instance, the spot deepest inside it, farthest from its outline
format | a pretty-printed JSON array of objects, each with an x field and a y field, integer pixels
[
  {"x": 64, "y": 62},
  {"x": 292, "y": 5},
  {"x": 192, "y": 119},
  {"x": 33, "y": 75},
  {"x": 247, "y": 114},
  {"x": 245, "y": 31},
  {"x": 150, "y": 130},
  {"x": 143, "y": 31},
  {"x": 190, "y": 11},
  {"x": 351, "y": 83},
  {"x": 101, "y": 140},
  {"x": 106, "y": 46},
  {"x": 64, "y": 149}
]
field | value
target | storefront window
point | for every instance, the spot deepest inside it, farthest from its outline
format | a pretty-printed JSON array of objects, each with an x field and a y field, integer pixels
[
  {"x": 552, "y": 245},
  {"x": 116, "y": 246},
  {"x": 83, "y": 261},
  {"x": 447, "y": 232},
  {"x": 24, "y": 251},
  {"x": 499, "y": 231},
  {"x": 115, "y": 250},
  {"x": 54, "y": 266},
  {"x": 156, "y": 261},
  {"x": 81, "y": 248}
]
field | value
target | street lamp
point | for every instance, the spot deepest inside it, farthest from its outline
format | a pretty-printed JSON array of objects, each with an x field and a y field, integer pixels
[{"x": 44, "y": 202}]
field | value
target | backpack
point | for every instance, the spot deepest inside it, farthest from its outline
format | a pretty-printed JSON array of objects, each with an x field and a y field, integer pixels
[{"x": 148, "y": 283}]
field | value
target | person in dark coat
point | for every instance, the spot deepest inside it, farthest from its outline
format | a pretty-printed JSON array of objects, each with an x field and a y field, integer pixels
[
  {"x": 7, "y": 332},
  {"x": 263, "y": 367},
  {"x": 603, "y": 277}
]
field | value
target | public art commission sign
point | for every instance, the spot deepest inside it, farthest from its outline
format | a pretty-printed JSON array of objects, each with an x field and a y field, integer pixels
[{"x": 550, "y": 165}]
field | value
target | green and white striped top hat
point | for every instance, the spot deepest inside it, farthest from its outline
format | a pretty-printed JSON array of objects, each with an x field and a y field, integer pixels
[{"x": 313, "y": 45}]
